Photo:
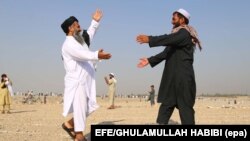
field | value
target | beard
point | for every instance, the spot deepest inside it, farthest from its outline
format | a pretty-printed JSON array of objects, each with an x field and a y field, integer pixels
[
  {"x": 176, "y": 24},
  {"x": 77, "y": 35}
]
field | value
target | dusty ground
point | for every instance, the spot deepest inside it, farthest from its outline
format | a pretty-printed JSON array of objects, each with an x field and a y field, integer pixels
[{"x": 42, "y": 122}]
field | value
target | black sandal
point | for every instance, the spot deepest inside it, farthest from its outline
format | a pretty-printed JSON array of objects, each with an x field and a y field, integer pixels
[{"x": 69, "y": 131}]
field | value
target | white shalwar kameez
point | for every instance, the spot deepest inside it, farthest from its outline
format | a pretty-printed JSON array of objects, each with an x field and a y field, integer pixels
[{"x": 79, "y": 81}]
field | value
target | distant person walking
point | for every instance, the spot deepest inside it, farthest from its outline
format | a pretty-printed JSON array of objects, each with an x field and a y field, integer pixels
[
  {"x": 111, "y": 82},
  {"x": 5, "y": 100},
  {"x": 45, "y": 99},
  {"x": 178, "y": 88},
  {"x": 151, "y": 96}
]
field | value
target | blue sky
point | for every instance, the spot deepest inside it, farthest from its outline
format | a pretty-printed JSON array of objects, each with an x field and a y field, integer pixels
[{"x": 31, "y": 40}]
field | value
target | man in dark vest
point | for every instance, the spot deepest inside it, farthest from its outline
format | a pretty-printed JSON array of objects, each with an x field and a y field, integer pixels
[{"x": 178, "y": 88}]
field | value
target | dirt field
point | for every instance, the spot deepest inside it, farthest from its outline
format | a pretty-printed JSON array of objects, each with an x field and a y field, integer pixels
[{"x": 42, "y": 122}]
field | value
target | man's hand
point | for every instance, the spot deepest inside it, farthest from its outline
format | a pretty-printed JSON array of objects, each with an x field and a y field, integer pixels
[
  {"x": 103, "y": 55},
  {"x": 142, "y": 39},
  {"x": 97, "y": 15},
  {"x": 143, "y": 62},
  {"x": 106, "y": 80}
]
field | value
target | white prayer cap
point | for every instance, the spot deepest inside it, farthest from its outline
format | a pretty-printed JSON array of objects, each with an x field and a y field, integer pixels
[
  {"x": 112, "y": 74},
  {"x": 184, "y": 13}
]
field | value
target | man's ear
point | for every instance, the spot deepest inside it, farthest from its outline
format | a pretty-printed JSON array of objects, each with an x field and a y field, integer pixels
[
  {"x": 182, "y": 20},
  {"x": 70, "y": 28}
]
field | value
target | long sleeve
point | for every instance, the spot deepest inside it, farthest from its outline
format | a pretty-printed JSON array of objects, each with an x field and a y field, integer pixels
[
  {"x": 92, "y": 29},
  {"x": 80, "y": 54},
  {"x": 155, "y": 60},
  {"x": 173, "y": 40}
]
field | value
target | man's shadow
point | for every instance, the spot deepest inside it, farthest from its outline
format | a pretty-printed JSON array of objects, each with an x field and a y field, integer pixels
[
  {"x": 171, "y": 122},
  {"x": 17, "y": 112},
  {"x": 88, "y": 135}
]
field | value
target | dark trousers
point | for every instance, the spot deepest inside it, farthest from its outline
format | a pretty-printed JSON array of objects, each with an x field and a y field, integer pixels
[{"x": 186, "y": 113}]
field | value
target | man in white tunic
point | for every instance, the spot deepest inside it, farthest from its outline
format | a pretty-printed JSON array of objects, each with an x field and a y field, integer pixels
[
  {"x": 111, "y": 82},
  {"x": 80, "y": 87}
]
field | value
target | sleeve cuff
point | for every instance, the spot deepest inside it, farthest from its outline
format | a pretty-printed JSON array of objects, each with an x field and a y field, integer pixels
[
  {"x": 94, "y": 23},
  {"x": 149, "y": 61},
  {"x": 150, "y": 41},
  {"x": 96, "y": 55}
]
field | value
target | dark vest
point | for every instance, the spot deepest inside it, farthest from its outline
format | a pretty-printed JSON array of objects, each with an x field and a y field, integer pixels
[{"x": 85, "y": 35}]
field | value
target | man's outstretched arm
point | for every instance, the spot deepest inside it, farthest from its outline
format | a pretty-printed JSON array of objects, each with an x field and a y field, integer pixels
[{"x": 97, "y": 16}]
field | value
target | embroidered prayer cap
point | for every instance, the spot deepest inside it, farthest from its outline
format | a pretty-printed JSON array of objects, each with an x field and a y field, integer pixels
[
  {"x": 184, "y": 13},
  {"x": 112, "y": 74},
  {"x": 67, "y": 23}
]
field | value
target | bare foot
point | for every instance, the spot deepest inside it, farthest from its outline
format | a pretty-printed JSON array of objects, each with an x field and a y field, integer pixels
[
  {"x": 84, "y": 139},
  {"x": 68, "y": 125},
  {"x": 111, "y": 107},
  {"x": 80, "y": 137}
]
